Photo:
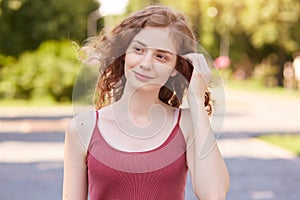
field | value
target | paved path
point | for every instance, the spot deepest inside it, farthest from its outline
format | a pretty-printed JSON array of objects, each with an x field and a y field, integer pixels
[{"x": 31, "y": 150}]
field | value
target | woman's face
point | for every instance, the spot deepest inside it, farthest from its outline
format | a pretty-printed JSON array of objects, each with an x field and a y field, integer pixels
[{"x": 150, "y": 59}]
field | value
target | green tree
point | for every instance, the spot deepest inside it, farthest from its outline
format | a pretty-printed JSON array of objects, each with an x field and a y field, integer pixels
[
  {"x": 272, "y": 27},
  {"x": 249, "y": 31},
  {"x": 48, "y": 72},
  {"x": 25, "y": 24}
]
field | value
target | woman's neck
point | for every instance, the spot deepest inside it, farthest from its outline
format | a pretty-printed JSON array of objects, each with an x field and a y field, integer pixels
[
  {"x": 138, "y": 103},
  {"x": 140, "y": 100}
]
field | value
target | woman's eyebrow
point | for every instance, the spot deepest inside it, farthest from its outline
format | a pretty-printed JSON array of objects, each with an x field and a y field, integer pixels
[
  {"x": 159, "y": 50},
  {"x": 139, "y": 42},
  {"x": 165, "y": 51}
]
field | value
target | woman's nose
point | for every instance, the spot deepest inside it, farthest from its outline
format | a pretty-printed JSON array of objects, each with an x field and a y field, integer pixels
[{"x": 147, "y": 61}]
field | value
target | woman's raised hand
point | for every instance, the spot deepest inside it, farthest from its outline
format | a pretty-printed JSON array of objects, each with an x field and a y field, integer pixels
[{"x": 201, "y": 76}]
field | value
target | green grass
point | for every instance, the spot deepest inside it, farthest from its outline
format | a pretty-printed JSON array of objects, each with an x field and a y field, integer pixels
[
  {"x": 28, "y": 103},
  {"x": 289, "y": 142},
  {"x": 255, "y": 85}
]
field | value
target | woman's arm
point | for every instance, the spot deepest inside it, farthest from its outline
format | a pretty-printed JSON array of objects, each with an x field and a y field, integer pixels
[
  {"x": 75, "y": 170},
  {"x": 208, "y": 171},
  {"x": 210, "y": 178}
]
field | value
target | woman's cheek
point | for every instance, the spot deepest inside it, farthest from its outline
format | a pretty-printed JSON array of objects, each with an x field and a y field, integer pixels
[
  {"x": 164, "y": 73},
  {"x": 130, "y": 62}
]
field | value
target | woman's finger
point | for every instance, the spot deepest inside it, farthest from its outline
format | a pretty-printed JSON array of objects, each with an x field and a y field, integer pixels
[{"x": 200, "y": 65}]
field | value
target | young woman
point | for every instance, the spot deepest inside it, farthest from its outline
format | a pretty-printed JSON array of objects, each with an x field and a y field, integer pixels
[{"x": 139, "y": 143}]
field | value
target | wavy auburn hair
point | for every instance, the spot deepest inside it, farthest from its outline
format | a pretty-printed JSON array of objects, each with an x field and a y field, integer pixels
[{"x": 112, "y": 47}]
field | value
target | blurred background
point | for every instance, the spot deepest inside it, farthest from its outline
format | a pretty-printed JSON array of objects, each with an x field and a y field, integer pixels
[{"x": 254, "y": 43}]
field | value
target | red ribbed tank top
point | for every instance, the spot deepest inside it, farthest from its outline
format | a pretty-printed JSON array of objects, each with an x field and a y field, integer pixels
[{"x": 156, "y": 174}]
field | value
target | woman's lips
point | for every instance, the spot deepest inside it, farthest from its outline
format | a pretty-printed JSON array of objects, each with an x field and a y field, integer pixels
[{"x": 141, "y": 76}]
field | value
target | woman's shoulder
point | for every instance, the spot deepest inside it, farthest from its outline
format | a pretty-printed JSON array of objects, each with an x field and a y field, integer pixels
[{"x": 82, "y": 126}]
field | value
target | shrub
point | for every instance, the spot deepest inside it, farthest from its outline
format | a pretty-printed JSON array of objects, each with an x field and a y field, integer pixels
[{"x": 46, "y": 73}]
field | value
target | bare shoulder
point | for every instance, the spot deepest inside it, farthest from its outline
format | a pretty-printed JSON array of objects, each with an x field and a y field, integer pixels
[
  {"x": 186, "y": 123},
  {"x": 82, "y": 126}
]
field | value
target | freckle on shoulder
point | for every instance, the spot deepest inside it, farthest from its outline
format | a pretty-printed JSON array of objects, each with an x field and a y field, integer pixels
[{"x": 82, "y": 125}]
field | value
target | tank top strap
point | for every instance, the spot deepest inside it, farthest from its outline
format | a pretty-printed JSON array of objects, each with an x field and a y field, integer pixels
[
  {"x": 95, "y": 130},
  {"x": 177, "y": 116},
  {"x": 97, "y": 118},
  {"x": 97, "y": 115}
]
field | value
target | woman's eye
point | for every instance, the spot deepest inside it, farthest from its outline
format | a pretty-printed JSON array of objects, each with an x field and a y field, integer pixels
[
  {"x": 138, "y": 50},
  {"x": 162, "y": 57}
]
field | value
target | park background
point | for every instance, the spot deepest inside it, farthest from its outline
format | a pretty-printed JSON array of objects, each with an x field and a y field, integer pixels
[{"x": 39, "y": 62}]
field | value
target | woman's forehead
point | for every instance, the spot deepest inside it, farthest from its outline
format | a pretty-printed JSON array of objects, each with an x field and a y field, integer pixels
[{"x": 156, "y": 38}]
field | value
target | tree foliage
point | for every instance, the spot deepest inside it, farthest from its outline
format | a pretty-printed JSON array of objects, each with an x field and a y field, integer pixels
[
  {"x": 46, "y": 73},
  {"x": 249, "y": 31},
  {"x": 261, "y": 34},
  {"x": 25, "y": 24}
]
